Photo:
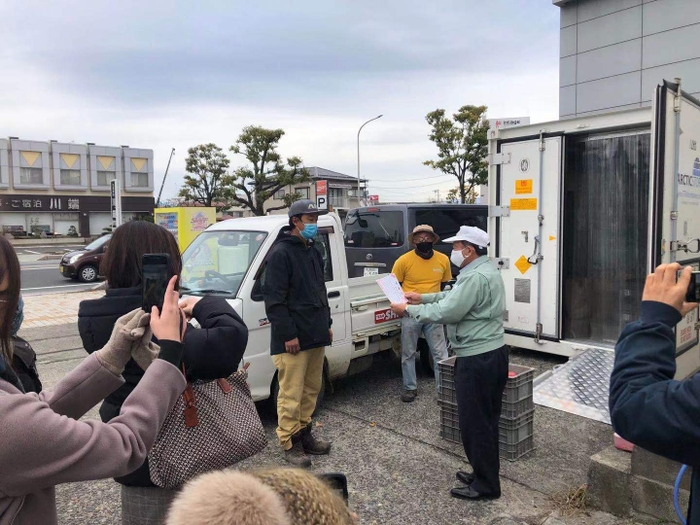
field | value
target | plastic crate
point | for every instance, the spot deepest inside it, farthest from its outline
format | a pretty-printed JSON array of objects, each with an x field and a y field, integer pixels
[
  {"x": 516, "y": 450},
  {"x": 520, "y": 386},
  {"x": 513, "y": 431},
  {"x": 446, "y": 368},
  {"x": 452, "y": 435},
  {"x": 517, "y": 409},
  {"x": 447, "y": 390}
]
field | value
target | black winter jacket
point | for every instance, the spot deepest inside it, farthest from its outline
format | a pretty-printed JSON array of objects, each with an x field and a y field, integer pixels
[
  {"x": 211, "y": 352},
  {"x": 647, "y": 406},
  {"x": 296, "y": 300}
]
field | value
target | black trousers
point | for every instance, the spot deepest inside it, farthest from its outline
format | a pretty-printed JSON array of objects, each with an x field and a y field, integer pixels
[{"x": 479, "y": 382}]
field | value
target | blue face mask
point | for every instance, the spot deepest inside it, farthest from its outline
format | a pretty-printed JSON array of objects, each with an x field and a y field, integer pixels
[
  {"x": 309, "y": 231},
  {"x": 19, "y": 317}
]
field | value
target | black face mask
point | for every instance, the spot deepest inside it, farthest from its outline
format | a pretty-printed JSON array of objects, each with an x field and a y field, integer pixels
[{"x": 424, "y": 249}]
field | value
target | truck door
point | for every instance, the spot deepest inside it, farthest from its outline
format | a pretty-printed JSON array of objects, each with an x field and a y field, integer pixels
[
  {"x": 675, "y": 201},
  {"x": 528, "y": 207}
]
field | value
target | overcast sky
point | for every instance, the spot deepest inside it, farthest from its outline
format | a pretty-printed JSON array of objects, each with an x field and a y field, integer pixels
[{"x": 159, "y": 75}]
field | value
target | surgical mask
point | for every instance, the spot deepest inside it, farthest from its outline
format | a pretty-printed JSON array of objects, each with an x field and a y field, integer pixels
[
  {"x": 309, "y": 231},
  {"x": 457, "y": 258},
  {"x": 19, "y": 317}
]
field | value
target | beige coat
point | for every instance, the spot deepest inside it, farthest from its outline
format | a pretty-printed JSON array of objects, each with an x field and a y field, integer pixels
[{"x": 42, "y": 442}]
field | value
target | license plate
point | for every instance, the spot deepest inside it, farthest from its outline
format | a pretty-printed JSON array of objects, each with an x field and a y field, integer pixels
[
  {"x": 371, "y": 271},
  {"x": 60, "y": 269}
]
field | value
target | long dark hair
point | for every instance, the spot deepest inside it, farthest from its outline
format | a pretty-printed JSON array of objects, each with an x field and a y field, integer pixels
[
  {"x": 121, "y": 264},
  {"x": 9, "y": 271}
]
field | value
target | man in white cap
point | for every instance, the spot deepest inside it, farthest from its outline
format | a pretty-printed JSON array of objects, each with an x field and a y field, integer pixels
[
  {"x": 473, "y": 312},
  {"x": 422, "y": 270}
]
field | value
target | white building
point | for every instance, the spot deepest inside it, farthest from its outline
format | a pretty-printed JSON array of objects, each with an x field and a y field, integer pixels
[{"x": 613, "y": 53}]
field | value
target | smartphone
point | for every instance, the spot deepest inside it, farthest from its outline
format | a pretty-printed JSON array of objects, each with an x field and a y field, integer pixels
[
  {"x": 693, "y": 293},
  {"x": 156, "y": 273},
  {"x": 338, "y": 482}
]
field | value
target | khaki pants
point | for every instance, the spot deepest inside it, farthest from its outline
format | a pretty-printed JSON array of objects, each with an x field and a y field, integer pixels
[{"x": 300, "y": 378}]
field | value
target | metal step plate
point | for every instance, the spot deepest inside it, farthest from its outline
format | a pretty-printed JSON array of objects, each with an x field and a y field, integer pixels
[{"x": 580, "y": 386}]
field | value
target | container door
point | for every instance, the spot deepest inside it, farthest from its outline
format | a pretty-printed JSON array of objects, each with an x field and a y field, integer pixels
[
  {"x": 528, "y": 234},
  {"x": 675, "y": 202}
]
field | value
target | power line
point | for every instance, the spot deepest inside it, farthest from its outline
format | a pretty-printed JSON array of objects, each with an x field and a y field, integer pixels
[
  {"x": 428, "y": 185},
  {"x": 411, "y": 180}
]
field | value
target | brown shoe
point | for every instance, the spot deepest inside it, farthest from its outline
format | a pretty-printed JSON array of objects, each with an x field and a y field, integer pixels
[
  {"x": 316, "y": 447},
  {"x": 296, "y": 455}
]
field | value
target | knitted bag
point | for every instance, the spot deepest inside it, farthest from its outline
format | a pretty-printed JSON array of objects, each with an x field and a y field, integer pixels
[{"x": 213, "y": 425}]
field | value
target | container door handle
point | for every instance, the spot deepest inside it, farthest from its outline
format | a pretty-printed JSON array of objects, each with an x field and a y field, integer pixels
[{"x": 331, "y": 295}]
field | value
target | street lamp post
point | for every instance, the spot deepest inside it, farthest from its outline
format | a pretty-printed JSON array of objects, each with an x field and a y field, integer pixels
[{"x": 358, "y": 156}]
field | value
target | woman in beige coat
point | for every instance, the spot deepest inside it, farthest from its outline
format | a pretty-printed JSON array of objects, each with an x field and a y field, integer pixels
[{"x": 43, "y": 441}]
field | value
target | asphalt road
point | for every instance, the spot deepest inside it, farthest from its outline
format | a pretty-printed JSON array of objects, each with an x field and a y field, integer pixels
[
  {"x": 43, "y": 277},
  {"x": 46, "y": 249}
]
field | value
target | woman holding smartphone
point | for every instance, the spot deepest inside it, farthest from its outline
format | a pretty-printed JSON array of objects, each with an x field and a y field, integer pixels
[
  {"x": 213, "y": 351},
  {"x": 43, "y": 441}
]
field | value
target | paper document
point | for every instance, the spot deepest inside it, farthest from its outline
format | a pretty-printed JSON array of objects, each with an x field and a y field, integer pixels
[{"x": 392, "y": 289}]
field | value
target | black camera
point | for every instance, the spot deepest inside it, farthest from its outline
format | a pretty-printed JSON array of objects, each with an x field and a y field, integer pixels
[{"x": 693, "y": 293}]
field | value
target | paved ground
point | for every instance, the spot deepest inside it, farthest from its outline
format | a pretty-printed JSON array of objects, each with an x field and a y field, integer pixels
[
  {"x": 399, "y": 470},
  {"x": 55, "y": 309}
]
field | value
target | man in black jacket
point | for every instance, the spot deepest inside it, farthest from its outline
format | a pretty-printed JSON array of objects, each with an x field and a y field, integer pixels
[
  {"x": 647, "y": 406},
  {"x": 296, "y": 302}
]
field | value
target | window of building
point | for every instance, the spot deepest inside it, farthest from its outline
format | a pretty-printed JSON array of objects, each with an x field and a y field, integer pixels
[
  {"x": 279, "y": 194},
  {"x": 304, "y": 192},
  {"x": 336, "y": 197},
  {"x": 139, "y": 180},
  {"x": 31, "y": 176},
  {"x": 70, "y": 177},
  {"x": 105, "y": 177}
]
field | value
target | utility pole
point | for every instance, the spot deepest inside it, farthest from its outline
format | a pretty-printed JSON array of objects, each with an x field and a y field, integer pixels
[{"x": 164, "y": 177}]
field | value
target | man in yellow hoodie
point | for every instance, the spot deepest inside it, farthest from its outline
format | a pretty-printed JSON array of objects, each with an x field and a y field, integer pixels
[{"x": 422, "y": 270}]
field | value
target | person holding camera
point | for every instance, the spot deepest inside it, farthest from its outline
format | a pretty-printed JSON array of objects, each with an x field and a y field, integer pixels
[
  {"x": 44, "y": 442},
  {"x": 648, "y": 407},
  {"x": 213, "y": 351}
]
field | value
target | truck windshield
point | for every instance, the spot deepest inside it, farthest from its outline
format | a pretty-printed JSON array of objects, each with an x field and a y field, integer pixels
[
  {"x": 217, "y": 261},
  {"x": 375, "y": 229}
]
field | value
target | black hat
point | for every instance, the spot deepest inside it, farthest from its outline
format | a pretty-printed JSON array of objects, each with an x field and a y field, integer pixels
[{"x": 305, "y": 207}]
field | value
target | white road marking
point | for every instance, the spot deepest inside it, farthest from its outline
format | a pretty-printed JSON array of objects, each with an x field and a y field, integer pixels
[
  {"x": 34, "y": 253},
  {"x": 52, "y": 267},
  {"x": 59, "y": 287}
]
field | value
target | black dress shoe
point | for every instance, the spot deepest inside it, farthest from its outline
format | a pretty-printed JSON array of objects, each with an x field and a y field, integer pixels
[
  {"x": 465, "y": 477},
  {"x": 469, "y": 493}
]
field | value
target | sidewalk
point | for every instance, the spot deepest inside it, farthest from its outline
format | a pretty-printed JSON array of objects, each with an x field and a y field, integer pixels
[{"x": 54, "y": 309}]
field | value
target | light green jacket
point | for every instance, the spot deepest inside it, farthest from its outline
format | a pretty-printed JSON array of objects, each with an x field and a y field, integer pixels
[{"x": 472, "y": 310}]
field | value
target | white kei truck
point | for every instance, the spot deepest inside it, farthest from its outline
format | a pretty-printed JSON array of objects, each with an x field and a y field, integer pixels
[
  {"x": 582, "y": 209},
  {"x": 228, "y": 260}
]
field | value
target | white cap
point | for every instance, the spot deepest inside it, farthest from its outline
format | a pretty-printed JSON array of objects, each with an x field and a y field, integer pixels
[{"x": 471, "y": 234}]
